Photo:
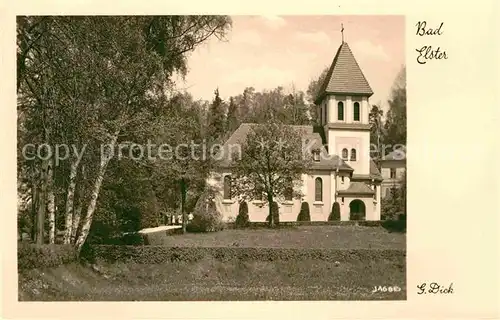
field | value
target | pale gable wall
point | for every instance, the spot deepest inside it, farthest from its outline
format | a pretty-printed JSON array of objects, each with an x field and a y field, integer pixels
[
  {"x": 360, "y": 140},
  {"x": 319, "y": 210},
  {"x": 343, "y": 185},
  {"x": 372, "y": 209}
]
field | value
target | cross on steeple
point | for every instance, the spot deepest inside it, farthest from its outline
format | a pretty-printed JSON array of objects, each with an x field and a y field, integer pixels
[{"x": 342, "y": 31}]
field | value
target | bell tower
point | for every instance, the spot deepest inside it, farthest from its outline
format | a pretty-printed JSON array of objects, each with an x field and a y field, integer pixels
[{"x": 343, "y": 104}]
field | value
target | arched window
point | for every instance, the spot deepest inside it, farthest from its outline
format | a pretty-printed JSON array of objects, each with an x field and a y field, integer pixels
[
  {"x": 318, "y": 189},
  {"x": 345, "y": 154},
  {"x": 356, "y": 111},
  {"x": 353, "y": 154},
  {"x": 227, "y": 187},
  {"x": 340, "y": 111}
]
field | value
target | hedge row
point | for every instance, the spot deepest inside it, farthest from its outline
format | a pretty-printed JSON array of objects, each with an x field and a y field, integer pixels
[
  {"x": 364, "y": 223},
  {"x": 30, "y": 256},
  {"x": 162, "y": 254}
]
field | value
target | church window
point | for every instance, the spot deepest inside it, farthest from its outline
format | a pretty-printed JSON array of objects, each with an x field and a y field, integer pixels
[
  {"x": 316, "y": 155},
  {"x": 345, "y": 154},
  {"x": 342, "y": 179},
  {"x": 356, "y": 111},
  {"x": 353, "y": 154},
  {"x": 393, "y": 173},
  {"x": 227, "y": 187},
  {"x": 318, "y": 189},
  {"x": 340, "y": 110}
]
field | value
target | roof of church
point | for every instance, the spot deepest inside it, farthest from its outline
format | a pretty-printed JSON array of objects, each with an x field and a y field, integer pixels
[
  {"x": 344, "y": 76},
  {"x": 357, "y": 188},
  {"x": 306, "y": 132}
]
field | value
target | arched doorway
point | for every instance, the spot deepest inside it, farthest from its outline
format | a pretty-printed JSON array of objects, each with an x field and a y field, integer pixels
[{"x": 357, "y": 210}]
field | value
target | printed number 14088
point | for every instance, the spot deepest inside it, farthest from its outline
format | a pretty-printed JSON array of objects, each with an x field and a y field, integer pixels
[{"x": 386, "y": 289}]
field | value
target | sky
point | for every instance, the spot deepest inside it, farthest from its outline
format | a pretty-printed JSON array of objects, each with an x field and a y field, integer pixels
[{"x": 289, "y": 51}]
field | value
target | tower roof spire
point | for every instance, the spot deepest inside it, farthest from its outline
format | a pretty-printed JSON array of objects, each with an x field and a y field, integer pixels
[
  {"x": 344, "y": 76},
  {"x": 342, "y": 31}
]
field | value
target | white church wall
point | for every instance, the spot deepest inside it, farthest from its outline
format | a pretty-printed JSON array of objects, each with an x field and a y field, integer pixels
[
  {"x": 372, "y": 210},
  {"x": 319, "y": 210},
  {"x": 360, "y": 140}
]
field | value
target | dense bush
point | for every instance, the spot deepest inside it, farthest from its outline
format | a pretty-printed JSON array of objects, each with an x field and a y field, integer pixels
[
  {"x": 394, "y": 225},
  {"x": 208, "y": 220},
  {"x": 335, "y": 214},
  {"x": 206, "y": 217},
  {"x": 304, "y": 214},
  {"x": 242, "y": 219},
  {"x": 294, "y": 224},
  {"x": 163, "y": 254},
  {"x": 276, "y": 214},
  {"x": 369, "y": 223},
  {"x": 31, "y": 256}
]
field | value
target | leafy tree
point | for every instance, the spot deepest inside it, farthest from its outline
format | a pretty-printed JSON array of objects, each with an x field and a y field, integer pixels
[
  {"x": 315, "y": 84},
  {"x": 90, "y": 81},
  {"x": 304, "y": 214},
  {"x": 395, "y": 205},
  {"x": 295, "y": 110},
  {"x": 216, "y": 118},
  {"x": 376, "y": 127},
  {"x": 395, "y": 125},
  {"x": 232, "y": 116},
  {"x": 274, "y": 215},
  {"x": 206, "y": 217},
  {"x": 272, "y": 160},
  {"x": 335, "y": 213},
  {"x": 312, "y": 93}
]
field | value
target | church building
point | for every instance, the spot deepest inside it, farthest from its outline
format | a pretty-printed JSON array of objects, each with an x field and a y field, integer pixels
[{"x": 348, "y": 176}]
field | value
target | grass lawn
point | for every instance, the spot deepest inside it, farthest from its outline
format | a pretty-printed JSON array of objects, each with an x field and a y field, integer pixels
[
  {"x": 342, "y": 237},
  {"x": 213, "y": 279}
]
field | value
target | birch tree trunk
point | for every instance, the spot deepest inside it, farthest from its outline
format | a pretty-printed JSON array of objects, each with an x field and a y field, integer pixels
[
  {"x": 76, "y": 221},
  {"x": 42, "y": 203},
  {"x": 70, "y": 202},
  {"x": 183, "y": 205},
  {"x": 78, "y": 210},
  {"x": 34, "y": 205},
  {"x": 95, "y": 194},
  {"x": 51, "y": 202}
]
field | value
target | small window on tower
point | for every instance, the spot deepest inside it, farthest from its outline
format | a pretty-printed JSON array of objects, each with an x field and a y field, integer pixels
[
  {"x": 345, "y": 154},
  {"x": 356, "y": 111},
  {"x": 353, "y": 154},
  {"x": 340, "y": 111}
]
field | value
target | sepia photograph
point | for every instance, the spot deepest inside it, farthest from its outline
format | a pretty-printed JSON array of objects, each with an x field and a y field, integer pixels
[{"x": 211, "y": 158}]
